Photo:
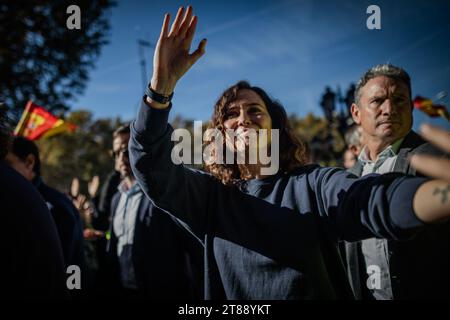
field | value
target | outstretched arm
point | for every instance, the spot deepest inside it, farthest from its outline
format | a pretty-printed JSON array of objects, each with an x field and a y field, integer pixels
[
  {"x": 432, "y": 199},
  {"x": 181, "y": 192},
  {"x": 389, "y": 206}
]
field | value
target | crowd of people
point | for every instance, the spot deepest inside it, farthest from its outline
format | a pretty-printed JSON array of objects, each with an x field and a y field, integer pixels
[{"x": 164, "y": 231}]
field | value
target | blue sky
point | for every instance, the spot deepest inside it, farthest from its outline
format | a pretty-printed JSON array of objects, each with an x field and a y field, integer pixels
[{"x": 291, "y": 48}]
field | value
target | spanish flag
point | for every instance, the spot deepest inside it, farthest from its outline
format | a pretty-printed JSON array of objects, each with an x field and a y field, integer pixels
[
  {"x": 430, "y": 108},
  {"x": 36, "y": 123}
]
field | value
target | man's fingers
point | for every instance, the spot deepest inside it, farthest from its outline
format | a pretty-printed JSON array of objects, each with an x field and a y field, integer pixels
[
  {"x": 199, "y": 52},
  {"x": 91, "y": 234},
  {"x": 432, "y": 166},
  {"x": 190, "y": 32},
  {"x": 177, "y": 22},
  {"x": 185, "y": 24},
  {"x": 165, "y": 27},
  {"x": 75, "y": 187},
  {"x": 437, "y": 136}
]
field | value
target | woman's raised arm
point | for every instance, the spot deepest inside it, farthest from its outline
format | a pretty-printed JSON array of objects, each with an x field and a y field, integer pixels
[{"x": 172, "y": 58}]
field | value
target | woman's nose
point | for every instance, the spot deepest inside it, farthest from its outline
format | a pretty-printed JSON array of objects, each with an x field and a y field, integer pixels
[{"x": 244, "y": 119}]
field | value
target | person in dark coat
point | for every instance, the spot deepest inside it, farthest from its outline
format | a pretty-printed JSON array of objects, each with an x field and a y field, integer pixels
[
  {"x": 32, "y": 259},
  {"x": 24, "y": 158}
]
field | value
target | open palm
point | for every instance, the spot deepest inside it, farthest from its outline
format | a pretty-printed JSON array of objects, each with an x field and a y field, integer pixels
[{"x": 172, "y": 58}]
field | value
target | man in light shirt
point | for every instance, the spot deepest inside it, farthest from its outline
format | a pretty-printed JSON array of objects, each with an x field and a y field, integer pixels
[
  {"x": 151, "y": 256},
  {"x": 412, "y": 269}
]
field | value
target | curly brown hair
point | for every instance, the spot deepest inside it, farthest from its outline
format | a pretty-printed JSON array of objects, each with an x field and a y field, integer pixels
[{"x": 293, "y": 151}]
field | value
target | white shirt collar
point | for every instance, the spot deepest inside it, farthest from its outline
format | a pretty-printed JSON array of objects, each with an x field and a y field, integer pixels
[{"x": 389, "y": 151}]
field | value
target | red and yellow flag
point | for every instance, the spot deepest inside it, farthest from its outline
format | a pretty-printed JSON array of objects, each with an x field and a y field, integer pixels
[
  {"x": 36, "y": 123},
  {"x": 430, "y": 108}
]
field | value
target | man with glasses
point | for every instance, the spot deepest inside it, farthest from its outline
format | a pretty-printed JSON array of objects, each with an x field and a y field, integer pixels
[{"x": 152, "y": 256}]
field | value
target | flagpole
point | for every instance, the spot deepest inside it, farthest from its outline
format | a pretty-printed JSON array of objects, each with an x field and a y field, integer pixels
[
  {"x": 444, "y": 114},
  {"x": 23, "y": 119}
]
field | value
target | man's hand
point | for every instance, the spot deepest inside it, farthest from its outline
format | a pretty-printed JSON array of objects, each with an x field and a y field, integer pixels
[
  {"x": 85, "y": 208},
  {"x": 93, "y": 186},
  {"x": 75, "y": 188},
  {"x": 432, "y": 166},
  {"x": 92, "y": 234},
  {"x": 172, "y": 59}
]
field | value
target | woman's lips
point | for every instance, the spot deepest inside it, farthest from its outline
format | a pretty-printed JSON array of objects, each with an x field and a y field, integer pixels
[{"x": 245, "y": 131}]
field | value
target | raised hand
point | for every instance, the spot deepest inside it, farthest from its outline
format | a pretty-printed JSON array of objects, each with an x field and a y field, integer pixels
[
  {"x": 79, "y": 202},
  {"x": 172, "y": 58},
  {"x": 75, "y": 188},
  {"x": 93, "y": 186},
  {"x": 85, "y": 208},
  {"x": 432, "y": 166}
]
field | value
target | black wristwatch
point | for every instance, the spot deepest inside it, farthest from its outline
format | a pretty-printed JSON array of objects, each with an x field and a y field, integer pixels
[{"x": 157, "y": 97}]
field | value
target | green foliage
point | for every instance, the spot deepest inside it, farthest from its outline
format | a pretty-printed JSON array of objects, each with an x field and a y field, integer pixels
[
  {"x": 82, "y": 154},
  {"x": 42, "y": 60},
  {"x": 324, "y": 140}
]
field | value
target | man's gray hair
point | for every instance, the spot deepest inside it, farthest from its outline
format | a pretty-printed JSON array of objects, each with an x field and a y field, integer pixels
[
  {"x": 352, "y": 136},
  {"x": 386, "y": 70}
]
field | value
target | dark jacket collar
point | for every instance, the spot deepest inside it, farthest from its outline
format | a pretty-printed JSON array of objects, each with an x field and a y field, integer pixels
[{"x": 37, "y": 181}]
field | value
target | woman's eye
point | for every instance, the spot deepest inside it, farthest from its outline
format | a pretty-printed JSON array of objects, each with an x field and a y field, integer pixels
[{"x": 230, "y": 115}]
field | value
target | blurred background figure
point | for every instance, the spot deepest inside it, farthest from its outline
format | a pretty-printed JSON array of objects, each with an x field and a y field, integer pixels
[
  {"x": 95, "y": 210},
  {"x": 354, "y": 142},
  {"x": 151, "y": 255},
  {"x": 96, "y": 234},
  {"x": 102, "y": 218},
  {"x": 32, "y": 259},
  {"x": 23, "y": 156}
]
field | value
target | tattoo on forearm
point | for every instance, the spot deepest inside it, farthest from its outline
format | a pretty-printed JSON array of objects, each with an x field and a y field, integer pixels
[{"x": 444, "y": 192}]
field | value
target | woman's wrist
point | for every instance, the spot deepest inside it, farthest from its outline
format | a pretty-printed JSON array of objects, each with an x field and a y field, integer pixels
[
  {"x": 154, "y": 104},
  {"x": 162, "y": 87}
]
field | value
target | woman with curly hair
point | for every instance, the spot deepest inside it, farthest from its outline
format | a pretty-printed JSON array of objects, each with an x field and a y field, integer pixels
[
  {"x": 293, "y": 151},
  {"x": 266, "y": 235}
]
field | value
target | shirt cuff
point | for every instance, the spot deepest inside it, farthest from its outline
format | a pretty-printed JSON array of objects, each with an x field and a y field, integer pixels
[{"x": 151, "y": 122}]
